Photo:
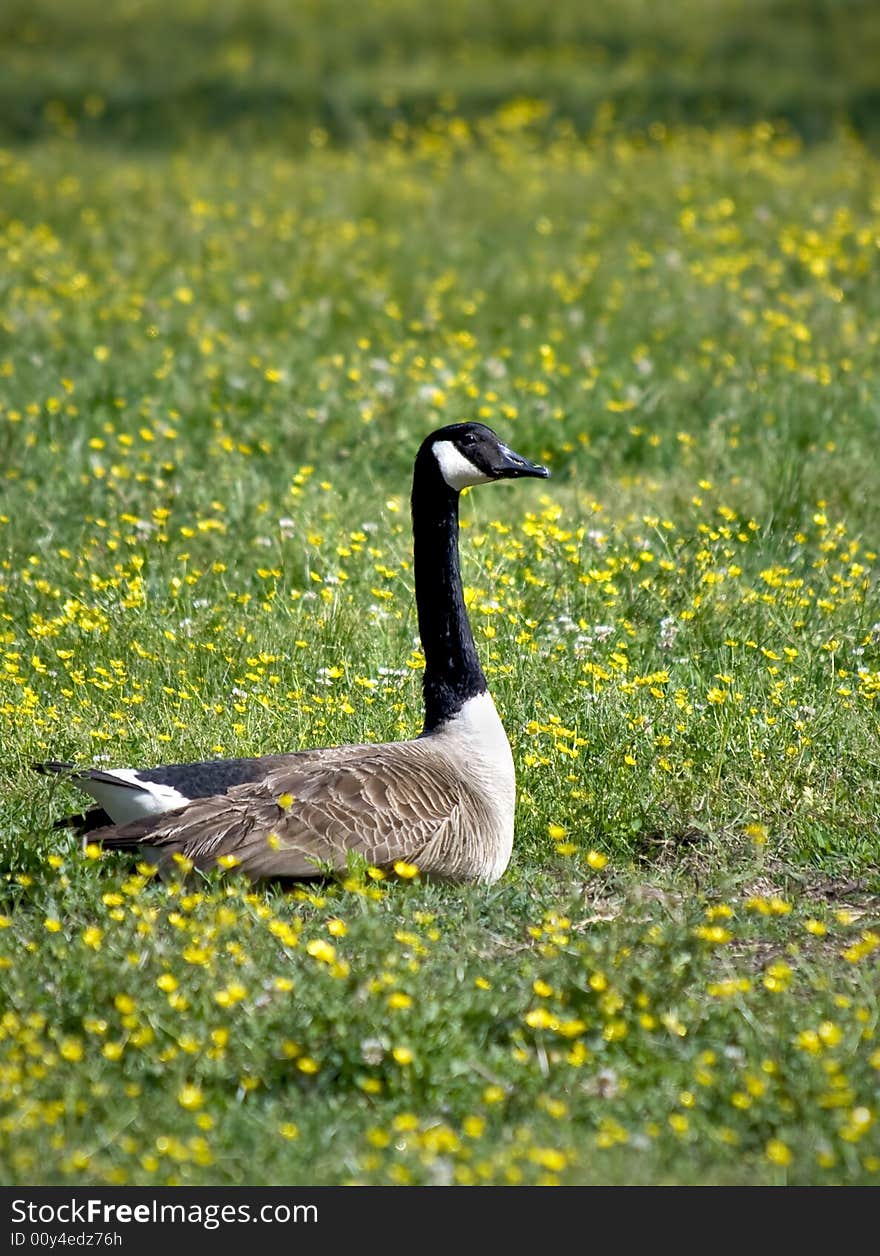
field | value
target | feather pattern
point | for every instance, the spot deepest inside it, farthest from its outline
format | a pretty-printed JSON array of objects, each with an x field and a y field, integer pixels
[{"x": 415, "y": 801}]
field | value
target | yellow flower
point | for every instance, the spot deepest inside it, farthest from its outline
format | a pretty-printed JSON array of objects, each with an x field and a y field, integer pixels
[
  {"x": 727, "y": 989},
  {"x": 596, "y": 859},
  {"x": 571, "y": 1028},
  {"x": 557, "y": 832},
  {"x": 553, "y": 1107},
  {"x": 548, "y": 1158},
  {"x": 190, "y": 1097},
  {"x": 196, "y": 955},
  {"x": 406, "y": 870},
  {"x": 321, "y": 950},
  {"x": 712, "y": 933},
  {"x": 721, "y": 911},
  {"x": 830, "y": 1033},
  {"x": 778, "y": 1152},
  {"x": 778, "y": 977},
  {"x": 860, "y": 1121},
  {"x": 405, "y": 1122},
  {"x": 402, "y": 1055},
  {"x": 868, "y": 942},
  {"x": 539, "y": 1018},
  {"x": 233, "y": 993},
  {"x": 283, "y": 931}
]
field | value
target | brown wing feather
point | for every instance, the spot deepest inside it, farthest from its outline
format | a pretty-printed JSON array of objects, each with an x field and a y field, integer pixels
[{"x": 385, "y": 802}]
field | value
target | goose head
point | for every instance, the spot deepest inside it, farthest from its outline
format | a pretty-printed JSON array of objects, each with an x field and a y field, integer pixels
[{"x": 471, "y": 453}]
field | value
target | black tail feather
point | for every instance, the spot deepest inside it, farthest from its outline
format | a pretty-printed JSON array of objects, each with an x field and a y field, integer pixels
[
  {"x": 85, "y": 821},
  {"x": 130, "y": 836}
]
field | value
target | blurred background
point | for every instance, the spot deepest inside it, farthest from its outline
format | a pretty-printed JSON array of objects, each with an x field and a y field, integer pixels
[{"x": 153, "y": 71}]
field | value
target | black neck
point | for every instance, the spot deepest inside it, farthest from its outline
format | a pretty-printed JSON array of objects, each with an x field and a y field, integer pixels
[{"x": 452, "y": 666}]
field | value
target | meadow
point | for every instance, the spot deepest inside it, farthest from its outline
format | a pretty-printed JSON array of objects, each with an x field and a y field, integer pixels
[{"x": 227, "y": 321}]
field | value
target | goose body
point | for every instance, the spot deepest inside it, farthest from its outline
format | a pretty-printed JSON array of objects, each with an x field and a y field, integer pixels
[{"x": 443, "y": 801}]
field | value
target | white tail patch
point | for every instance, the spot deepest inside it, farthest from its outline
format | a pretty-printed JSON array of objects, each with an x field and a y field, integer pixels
[
  {"x": 122, "y": 803},
  {"x": 458, "y": 472}
]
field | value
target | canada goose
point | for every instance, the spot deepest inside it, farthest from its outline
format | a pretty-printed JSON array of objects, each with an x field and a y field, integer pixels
[{"x": 443, "y": 801}]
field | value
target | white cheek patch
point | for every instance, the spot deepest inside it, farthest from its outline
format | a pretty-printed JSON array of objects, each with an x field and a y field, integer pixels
[{"x": 458, "y": 472}]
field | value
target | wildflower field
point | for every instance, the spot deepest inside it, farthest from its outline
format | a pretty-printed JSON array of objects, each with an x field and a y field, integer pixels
[{"x": 234, "y": 300}]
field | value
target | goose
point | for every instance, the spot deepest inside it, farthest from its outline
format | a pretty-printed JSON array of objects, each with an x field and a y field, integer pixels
[{"x": 442, "y": 802}]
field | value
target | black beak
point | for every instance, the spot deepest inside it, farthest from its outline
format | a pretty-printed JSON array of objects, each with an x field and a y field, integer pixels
[{"x": 510, "y": 466}]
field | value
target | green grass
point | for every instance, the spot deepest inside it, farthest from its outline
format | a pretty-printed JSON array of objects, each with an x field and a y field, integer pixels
[{"x": 219, "y": 358}]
